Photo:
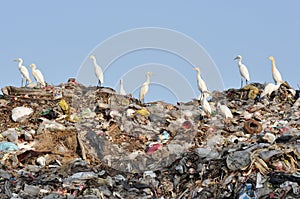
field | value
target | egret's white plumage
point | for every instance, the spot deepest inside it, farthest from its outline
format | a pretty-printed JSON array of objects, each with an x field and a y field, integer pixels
[
  {"x": 145, "y": 87},
  {"x": 269, "y": 89},
  {"x": 275, "y": 72},
  {"x": 225, "y": 110},
  {"x": 24, "y": 72},
  {"x": 205, "y": 106},
  {"x": 201, "y": 85},
  {"x": 38, "y": 76},
  {"x": 98, "y": 70},
  {"x": 122, "y": 90},
  {"x": 292, "y": 91},
  {"x": 243, "y": 70}
]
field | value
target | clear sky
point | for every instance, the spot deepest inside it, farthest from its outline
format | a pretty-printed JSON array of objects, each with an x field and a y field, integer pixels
[{"x": 59, "y": 35}]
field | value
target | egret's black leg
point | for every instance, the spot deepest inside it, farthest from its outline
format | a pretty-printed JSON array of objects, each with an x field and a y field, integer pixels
[
  {"x": 201, "y": 96},
  {"x": 99, "y": 83}
]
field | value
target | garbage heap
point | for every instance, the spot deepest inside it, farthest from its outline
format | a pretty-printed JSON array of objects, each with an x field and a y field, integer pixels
[{"x": 72, "y": 141}]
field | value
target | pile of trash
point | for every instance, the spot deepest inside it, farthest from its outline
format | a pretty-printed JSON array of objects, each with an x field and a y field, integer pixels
[{"x": 72, "y": 141}]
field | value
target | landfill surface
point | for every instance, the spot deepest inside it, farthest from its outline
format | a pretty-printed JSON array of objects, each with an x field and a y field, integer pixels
[{"x": 72, "y": 141}]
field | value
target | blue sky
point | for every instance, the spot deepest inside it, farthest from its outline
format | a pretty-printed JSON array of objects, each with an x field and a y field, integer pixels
[{"x": 59, "y": 35}]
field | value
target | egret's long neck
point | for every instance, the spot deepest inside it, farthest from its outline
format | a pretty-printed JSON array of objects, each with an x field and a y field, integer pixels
[
  {"x": 198, "y": 75},
  {"x": 273, "y": 65},
  {"x": 148, "y": 78},
  {"x": 20, "y": 63},
  {"x": 95, "y": 62},
  {"x": 240, "y": 61}
]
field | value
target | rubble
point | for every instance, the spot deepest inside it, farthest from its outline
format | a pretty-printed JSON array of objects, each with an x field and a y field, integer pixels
[{"x": 72, "y": 141}]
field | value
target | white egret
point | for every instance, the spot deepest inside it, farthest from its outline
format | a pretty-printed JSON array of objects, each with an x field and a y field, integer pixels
[
  {"x": 205, "y": 106},
  {"x": 225, "y": 110},
  {"x": 122, "y": 90},
  {"x": 98, "y": 70},
  {"x": 201, "y": 85},
  {"x": 38, "y": 76},
  {"x": 292, "y": 91},
  {"x": 145, "y": 87},
  {"x": 24, "y": 72},
  {"x": 275, "y": 72},
  {"x": 269, "y": 89},
  {"x": 243, "y": 70}
]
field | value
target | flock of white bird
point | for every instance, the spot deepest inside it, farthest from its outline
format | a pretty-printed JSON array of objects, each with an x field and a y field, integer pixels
[
  {"x": 204, "y": 93},
  {"x": 268, "y": 90},
  {"x": 38, "y": 76}
]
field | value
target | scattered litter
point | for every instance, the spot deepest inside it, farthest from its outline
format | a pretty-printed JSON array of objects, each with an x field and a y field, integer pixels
[{"x": 72, "y": 141}]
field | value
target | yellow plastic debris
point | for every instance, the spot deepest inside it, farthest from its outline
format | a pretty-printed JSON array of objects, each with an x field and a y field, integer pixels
[
  {"x": 143, "y": 112},
  {"x": 253, "y": 91},
  {"x": 64, "y": 106},
  {"x": 252, "y": 94}
]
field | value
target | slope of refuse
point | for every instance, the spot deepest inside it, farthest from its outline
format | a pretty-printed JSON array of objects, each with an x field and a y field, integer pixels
[{"x": 72, "y": 141}]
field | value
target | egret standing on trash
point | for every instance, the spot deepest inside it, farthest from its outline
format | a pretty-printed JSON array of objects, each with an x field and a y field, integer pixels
[
  {"x": 201, "y": 85},
  {"x": 275, "y": 73},
  {"x": 145, "y": 87},
  {"x": 243, "y": 70},
  {"x": 24, "y": 72},
  {"x": 205, "y": 106},
  {"x": 225, "y": 110},
  {"x": 98, "y": 70},
  {"x": 122, "y": 90},
  {"x": 269, "y": 89},
  {"x": 38, "y": 76}
]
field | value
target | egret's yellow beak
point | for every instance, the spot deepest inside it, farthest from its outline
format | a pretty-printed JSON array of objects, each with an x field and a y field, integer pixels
[{"x": 197, "y": 69}]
